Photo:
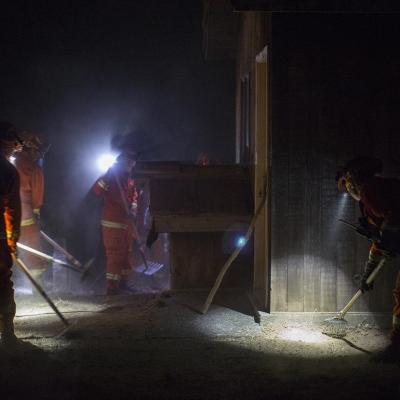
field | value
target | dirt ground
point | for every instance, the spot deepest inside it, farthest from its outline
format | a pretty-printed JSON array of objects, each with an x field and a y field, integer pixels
[{"x": 154, "y": 346}]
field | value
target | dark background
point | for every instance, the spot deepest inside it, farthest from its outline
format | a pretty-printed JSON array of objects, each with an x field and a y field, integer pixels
[{"x": 82, "y": 72}]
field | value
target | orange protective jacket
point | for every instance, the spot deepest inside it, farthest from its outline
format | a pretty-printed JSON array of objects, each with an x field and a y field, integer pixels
[
  {"x": 31, "y": 185},
  {"x": 115, "y": 203},
  {"x": 380, "y": 202},
  {"x": 10, "y": 204}
]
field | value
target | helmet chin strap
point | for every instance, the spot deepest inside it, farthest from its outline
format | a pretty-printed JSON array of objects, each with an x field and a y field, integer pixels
[
  {"x": 351, "y": 190},
  {"x": 355, "y": 196}
]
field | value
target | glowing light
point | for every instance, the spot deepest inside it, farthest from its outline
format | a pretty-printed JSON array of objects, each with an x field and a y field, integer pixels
[
  {"x": 342, "y": 204},
  {"x": 105, "y": 161},
  {"x": 12, "y": 159},
  {"x": 240, "y": 241},
  {"x": 302, "y": 335}
]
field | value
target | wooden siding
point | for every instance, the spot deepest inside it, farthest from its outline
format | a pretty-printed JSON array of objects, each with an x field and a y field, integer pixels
[
  {"x": 322, "y": 6},
  {"x": 201, "y": 199},
  {"x": 197, "y": 258},
  {"x": 334, "y": 95}
]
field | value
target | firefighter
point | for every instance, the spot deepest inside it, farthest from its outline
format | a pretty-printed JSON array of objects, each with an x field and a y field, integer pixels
[
  {"x": 379, "y": 200},
  {"x": 118, "y": 192},
  {"x": 31, "y": 192},
  {"x": 9, "y": 229}
]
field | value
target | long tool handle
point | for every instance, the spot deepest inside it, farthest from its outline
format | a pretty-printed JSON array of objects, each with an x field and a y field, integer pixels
[
  {"x": 46, "y": 257},
  {"x": 135, "y": 231},
  {"x": 233, "y": 256},
  {"x": 61, "y": 249},
  {"x": 370, "y": 279},
  {"x": 25, "y": 270}
]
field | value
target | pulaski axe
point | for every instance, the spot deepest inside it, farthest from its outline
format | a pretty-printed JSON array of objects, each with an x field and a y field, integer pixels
[{"x": 50, "y": 258}]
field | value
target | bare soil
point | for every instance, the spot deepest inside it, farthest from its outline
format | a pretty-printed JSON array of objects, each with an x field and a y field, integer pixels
[{"x": 154, "y": 346}]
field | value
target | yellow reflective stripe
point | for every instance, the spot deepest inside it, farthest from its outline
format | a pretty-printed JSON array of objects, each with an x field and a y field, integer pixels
[
  {"x": 27, "y": 222},
  {"x": 102, "y": 184},
  {"x": 396, "y": 321},
  {"x": 113, "y": 277},
  {"x": 111, "y": 224},
  {"x": 12, "y": 234}
]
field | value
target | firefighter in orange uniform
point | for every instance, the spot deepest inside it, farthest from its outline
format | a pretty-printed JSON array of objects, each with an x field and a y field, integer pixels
[
  {"x": 9, "y": 229},
  {"x": 31, "y": 192},
  {"x": 379, "y": 200},
  {"x": 119, "y": 195}
]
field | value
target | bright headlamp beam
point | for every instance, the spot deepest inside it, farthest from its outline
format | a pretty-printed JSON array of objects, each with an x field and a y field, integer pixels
[
  {"x": 105, "y": 161},
  {"x": 302, "y": 335}
]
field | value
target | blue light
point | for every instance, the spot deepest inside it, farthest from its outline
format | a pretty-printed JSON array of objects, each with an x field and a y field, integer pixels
[{"x": 240, "y": 241}]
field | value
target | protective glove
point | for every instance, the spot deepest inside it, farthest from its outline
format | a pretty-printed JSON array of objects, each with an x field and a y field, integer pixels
[
  {"x": 134, "y": 209},
  {"x": 152, "y": 236},
  {"x": 12, "y": 239},
  {"x": 369, "y": 267},
  {"x": 369, "y": 230},
  {"x": 364, "y": 286}
]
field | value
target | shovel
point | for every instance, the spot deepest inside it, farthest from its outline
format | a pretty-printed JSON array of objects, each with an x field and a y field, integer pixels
[{"x": 148, "y": 267}]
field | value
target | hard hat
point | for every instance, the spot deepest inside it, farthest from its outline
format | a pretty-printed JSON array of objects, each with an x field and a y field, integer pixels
[
  {"x": 357, "y": 170},
  {"x": 34, "y": 142},
  {"x": 341, "y": 181},
  {"x": 367, "y": 166}
]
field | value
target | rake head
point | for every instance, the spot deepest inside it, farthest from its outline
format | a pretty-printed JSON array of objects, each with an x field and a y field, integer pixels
[
  {"x": 151, "y": 269},
  {"x": 335, "y": 327}
]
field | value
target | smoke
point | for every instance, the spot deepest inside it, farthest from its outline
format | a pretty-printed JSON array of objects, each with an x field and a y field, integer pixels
[{"x": 86, "y": 76}]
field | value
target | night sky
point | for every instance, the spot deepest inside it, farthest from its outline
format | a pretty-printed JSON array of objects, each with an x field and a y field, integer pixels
[{"x": 81, "y": 72}]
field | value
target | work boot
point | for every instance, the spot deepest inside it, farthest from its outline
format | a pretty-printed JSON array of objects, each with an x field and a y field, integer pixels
[
  {"x": 113, "y": 291},
  {"x": 7, "y": 335},
  {"x": 112, "y": 287},
  {"x": 125, "y": 287}
]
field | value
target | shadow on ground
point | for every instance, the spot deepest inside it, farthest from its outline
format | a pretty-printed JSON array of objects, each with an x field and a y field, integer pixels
[{"x": 153, "y": 347}]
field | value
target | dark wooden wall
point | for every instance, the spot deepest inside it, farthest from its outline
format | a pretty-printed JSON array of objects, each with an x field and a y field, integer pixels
[
  {"x": 197, "y": 258},
  {"x": 335, "y": 93},
  {"x": 204, "y": 209}
]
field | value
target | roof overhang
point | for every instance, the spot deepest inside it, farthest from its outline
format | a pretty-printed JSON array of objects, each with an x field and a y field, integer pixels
[
  {"x": 220, "y": 30},
  {"x": 318, "y": 6}
]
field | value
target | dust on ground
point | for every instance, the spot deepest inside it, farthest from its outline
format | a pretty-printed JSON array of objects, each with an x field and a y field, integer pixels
[{"x": 156, "y": 346}]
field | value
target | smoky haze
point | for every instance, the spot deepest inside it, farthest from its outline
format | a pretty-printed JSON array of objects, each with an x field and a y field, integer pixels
[{"x": 81, "y": 73}]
